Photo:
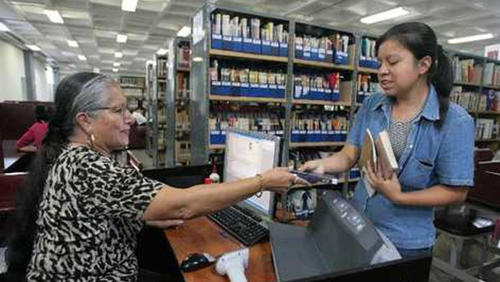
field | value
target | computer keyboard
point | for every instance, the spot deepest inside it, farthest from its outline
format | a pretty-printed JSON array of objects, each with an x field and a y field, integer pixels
[{"x": 241, "y": 224}]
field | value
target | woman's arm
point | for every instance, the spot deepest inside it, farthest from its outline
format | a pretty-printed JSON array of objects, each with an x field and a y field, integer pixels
[
  {"x": 338, "y": 162},
  {"x": 23, "y": 143},
  {"x": 437, "y": 195},
  {"x": 172, "y": 203}
]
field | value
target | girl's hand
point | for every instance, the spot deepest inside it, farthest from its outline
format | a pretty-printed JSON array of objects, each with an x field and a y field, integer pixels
[
  {"x": 315, "y": 166},
  {"x": 390, "y": 186}
]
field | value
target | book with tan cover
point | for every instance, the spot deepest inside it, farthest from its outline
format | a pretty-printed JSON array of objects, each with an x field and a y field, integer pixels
[{"x": 380, "y": 154}]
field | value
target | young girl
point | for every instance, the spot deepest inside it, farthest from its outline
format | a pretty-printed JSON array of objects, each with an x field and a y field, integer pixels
[{"x": 433, "y": 140}]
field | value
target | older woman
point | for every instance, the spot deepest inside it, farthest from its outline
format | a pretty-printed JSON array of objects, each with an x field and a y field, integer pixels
[{"x": 80, "y": 211}]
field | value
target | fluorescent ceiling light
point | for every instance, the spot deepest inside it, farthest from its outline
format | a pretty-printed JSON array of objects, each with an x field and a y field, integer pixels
[
  {"x": 3, "y": 27},
  {"x": 54, "y": 16},
  {"x": 96, "y": 70},
  {"x": 118, "y": 54},
  {"x": 72, "y": 43},
  {"x": 162, "y": 51},
  {"x": 386, "y": 15},
  {"x": 116, "y": 64},
  {"x": 470, "y": 38},
  {"x": 115, "y": 70},
  {"x": 121, "y": 38},
  {"x": 184, "y": 32},
  {"x": 33, "y": 47},
  {"x": 129, "y": 5},
  {"x": 82, "y": 58}
]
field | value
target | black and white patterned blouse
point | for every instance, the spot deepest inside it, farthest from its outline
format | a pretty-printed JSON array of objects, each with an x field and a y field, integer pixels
[{"x": 88, "y": 219}]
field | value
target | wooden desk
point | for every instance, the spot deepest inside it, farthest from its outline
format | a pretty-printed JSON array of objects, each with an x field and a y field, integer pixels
[{"x": 202, "y": 235}]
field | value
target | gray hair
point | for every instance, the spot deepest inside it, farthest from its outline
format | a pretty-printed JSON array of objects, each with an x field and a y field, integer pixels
[{"x": 93, "y": 95}]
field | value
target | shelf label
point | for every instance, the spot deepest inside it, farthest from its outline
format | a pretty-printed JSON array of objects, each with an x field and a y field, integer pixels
[
  {"x": 321, "y": 53},
  {"x": 236, "y": 84},
  {"x": 275, "y": 44},
  {"x": 216, "y": 83},
  {"x": 226, "y": 83},
  {"x": 247, "y": 40},
  {"x": 217, "y": 36},
  {"x": 273, "y": 86},
  {"x": 256, "y": 41},
  {"x": 263, "y": 86},
  {"x": 244, "y": 85},
  {"x": 227, "y": 38}
]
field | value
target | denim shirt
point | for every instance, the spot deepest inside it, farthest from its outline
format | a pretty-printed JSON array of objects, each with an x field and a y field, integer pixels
[{"x": 432, "y": 156}]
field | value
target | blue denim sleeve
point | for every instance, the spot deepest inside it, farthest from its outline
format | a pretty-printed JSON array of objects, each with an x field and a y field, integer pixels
[
  {"x": 358, "y": 128},
  {"x": 455, "y": 160}
]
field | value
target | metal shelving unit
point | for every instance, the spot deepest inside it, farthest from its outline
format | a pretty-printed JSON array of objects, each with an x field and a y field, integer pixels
[
  {"x": 200, "y": 82},
  {"x": 479, "y": 88},
  {"x": 177, "y": 101},
  {"x": 156, "y": 100}
]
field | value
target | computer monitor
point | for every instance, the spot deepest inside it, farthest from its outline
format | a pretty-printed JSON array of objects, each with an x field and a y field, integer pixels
[{"x": 248, "y": 153}]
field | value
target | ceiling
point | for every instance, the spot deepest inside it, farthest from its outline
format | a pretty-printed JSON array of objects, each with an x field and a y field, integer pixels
[{"x": 94, "y": 24}]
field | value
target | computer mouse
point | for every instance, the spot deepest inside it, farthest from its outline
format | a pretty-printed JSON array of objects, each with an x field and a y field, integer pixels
[{"x": 196, "y": 261}]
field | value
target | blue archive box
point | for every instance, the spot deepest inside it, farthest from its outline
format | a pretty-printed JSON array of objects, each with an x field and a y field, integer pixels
[
  {"x": 266, "y": 48},
  {"x": 321, "y": 55},
  {"x": 295, "y": 136},
  {"x": 283, "y": 50},
  {"x": 254, "y": 90},
  {"x": 227, "y": 42},
  {"x": 324, "y": 136},
  {"x": 307, "y": 53},
  {"x": 360, "y": 97},
  {"x": 299, "y": 52},
  {"x": 328, "y": 94},
  {"x": 247, "y": 45},
  {"x": 221, "y": 88},
  {"x": 216, "y": 41},
  {"x": 341, "y": 58},
  {"x": 256, "y": 46},
  {"x": 314, "y": 54},
  {"x": 237, "y": 44},
  {"x": 244, "y": 89},
  {"x": 264, "y": 91},
  {"x": 217, "y": 138},
  {"x": 275, "y": 48},
  {"x": 280, "y": 93},
  {"x": 273, "y": 91},
  {"x": 236, "y": 88},
  {"x": 329, "y": 56},
  {"x": 335, "y": 95},
  {"x": 302, "y": 135},
  {"x": 354, "y": 173}
]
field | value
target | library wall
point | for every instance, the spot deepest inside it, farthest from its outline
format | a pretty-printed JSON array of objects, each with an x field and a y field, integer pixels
[{"x": 12, "y": 75}]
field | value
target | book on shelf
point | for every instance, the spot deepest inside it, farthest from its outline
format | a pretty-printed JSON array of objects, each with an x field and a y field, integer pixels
[{"x": 377, "y": 152}]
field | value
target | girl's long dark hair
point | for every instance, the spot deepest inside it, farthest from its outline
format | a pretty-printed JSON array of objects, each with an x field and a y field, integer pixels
[
  {"x": 76, "y": 93},
  {"x": 421, "y": 41}
]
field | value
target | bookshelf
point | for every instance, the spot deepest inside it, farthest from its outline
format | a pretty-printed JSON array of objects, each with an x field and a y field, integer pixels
[
  {"x": 179, "y": 91},
  {"x": 476, "y": 89},
  {"x": 156, "y": 109},
  {"x": 133, "y": 89},
  {"x": 264, "y": 77}
]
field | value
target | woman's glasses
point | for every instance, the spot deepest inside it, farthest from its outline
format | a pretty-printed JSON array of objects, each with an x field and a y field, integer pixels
[{"x": 120, "y": 110}]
